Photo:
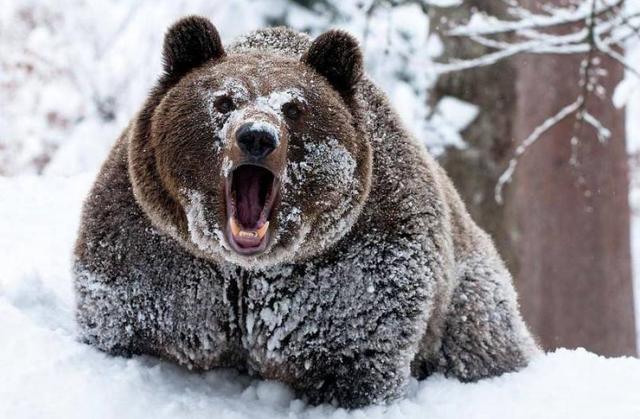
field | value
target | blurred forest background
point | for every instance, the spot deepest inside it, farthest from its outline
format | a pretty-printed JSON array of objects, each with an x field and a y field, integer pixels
[{"x": 532, "y": 107}]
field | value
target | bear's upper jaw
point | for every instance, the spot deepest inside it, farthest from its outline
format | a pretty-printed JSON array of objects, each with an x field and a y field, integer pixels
[{"x": 250, "y": 194}]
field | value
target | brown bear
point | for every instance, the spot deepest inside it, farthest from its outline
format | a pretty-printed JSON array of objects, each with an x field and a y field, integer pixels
[{"x": 267, "y": 211}]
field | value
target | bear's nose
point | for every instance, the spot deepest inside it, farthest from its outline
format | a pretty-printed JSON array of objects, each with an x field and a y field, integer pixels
[{"x": 257, "y": 139}]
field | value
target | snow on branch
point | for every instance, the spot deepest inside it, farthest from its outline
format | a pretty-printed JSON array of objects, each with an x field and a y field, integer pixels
[
  {"x": 589, "y": 22},
  {"x": 530, "y": 140},
  {"x": 482, "y": 24},
  {"x": 602, "y": 132},
  {"x": 593, "y": 28}
]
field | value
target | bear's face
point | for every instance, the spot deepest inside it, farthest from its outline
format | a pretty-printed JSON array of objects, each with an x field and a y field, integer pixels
[{"x": 256, "y": 158}]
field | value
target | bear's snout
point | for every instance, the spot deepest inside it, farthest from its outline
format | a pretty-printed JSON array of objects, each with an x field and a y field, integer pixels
[
  {"x": 257, "y": 139},
  {"x": 258, "y": 158}
]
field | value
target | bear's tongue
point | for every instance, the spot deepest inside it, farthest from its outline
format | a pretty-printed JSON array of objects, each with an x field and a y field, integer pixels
[{"x": 251, "y": 185}]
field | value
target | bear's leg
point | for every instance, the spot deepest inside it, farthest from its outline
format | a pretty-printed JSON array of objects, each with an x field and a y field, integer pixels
[
  {"x": 354, "y": 381},
  {"x": 184, "y": 318},
  {"x": 484, "y": 335},
  {"x": 103, "y": 315}
]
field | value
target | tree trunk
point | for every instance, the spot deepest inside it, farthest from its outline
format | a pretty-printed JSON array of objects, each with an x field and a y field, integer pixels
[
  {"x": 572, "y": 220},
  {"x": 475, "y": 170},
  {"x": 563, "y": 229}
]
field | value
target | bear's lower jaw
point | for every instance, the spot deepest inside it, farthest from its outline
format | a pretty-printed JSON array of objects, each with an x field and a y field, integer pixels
[{"x": 250, "y": 193}]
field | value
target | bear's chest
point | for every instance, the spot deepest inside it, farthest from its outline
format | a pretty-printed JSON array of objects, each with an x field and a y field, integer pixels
[{"x": 288, "y": 317}]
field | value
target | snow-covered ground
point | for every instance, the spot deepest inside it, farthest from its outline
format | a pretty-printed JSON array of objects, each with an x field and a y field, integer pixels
[{"x": 46, "y": 373}]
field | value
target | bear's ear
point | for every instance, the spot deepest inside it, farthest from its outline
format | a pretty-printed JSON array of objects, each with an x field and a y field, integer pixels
[
  {"x": 336, "y": 55},
  {"x": 190, "y": 42}
]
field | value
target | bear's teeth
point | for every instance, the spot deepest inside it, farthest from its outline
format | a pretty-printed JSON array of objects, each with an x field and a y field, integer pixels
[
  {"x": 255, "y": 234},
  {"x": 238, "y": 232}
]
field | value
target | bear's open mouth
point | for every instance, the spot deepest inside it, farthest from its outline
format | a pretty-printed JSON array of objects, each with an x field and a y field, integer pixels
[{"x": 250, "y": 196}]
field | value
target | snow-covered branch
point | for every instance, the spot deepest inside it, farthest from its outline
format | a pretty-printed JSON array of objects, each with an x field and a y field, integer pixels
[
  {"x": 587, "y": 27},
  {"x": 593, "y": 28},
  {"x": 530, "y": 140},
  {"x": 482, "y": 24}
]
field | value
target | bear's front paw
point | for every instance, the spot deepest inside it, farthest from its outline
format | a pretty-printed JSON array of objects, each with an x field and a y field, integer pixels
[
  {"x": 350, "y": 385},
  {"x": 349, "y": 395}
]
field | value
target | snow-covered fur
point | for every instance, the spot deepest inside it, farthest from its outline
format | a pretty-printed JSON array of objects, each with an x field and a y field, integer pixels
[{"x": 375, "y": 271}]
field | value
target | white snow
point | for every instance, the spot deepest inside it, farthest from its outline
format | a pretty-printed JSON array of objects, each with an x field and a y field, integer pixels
[
  {"x": 233, "y": 88},
  {"x": 227, "y": 165},
  {"x": 207, "y": 239},
  {"x": 275, "y": 100},
  {"x": 449, "y": 119},
  {"x": 270, "y": 106},
  {"x": 47, "y": 373}
]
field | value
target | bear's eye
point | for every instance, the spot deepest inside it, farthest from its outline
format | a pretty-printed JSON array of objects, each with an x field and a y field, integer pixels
[
  {"x": 224, "y": 104},
  {"x": 291, "y": 111}
]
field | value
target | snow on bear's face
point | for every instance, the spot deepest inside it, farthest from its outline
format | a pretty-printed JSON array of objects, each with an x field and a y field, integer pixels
[{"x": 263, "y": 154}]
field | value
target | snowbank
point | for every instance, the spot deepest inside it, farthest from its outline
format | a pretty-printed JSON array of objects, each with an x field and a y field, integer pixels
[{"x": 46, "y": 373}]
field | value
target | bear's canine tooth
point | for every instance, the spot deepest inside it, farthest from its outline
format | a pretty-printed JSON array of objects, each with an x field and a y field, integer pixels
[
  {"x": 262, "y": 230},
  {"x": 235, "y": 228}
]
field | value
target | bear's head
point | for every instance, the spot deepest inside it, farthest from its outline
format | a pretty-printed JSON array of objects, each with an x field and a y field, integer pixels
[{"x": 253, "y": 157}]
